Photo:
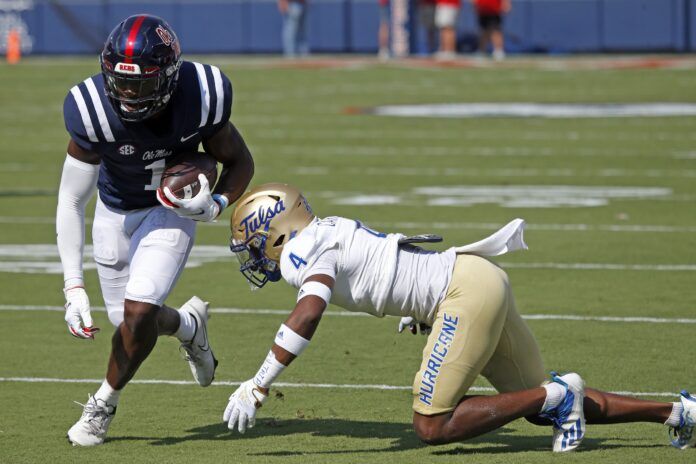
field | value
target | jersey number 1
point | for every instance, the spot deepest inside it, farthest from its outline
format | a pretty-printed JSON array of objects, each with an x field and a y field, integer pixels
[{"x": 157, "y": 170}]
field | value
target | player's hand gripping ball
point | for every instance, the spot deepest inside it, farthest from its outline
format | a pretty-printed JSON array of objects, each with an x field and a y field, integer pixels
[{"x": 186, "y": 187}]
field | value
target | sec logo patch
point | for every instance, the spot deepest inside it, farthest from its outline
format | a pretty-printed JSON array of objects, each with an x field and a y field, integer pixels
[{"x": 126, "y": 150}]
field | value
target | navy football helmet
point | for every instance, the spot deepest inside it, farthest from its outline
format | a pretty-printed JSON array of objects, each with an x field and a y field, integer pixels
[{"x": 140, "y": 63}]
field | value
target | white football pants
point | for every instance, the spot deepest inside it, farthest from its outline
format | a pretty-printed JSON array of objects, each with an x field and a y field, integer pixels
[{"x": 139, "y": 254}]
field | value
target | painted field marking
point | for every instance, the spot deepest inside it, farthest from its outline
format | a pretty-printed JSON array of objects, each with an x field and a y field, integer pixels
[
  {"x": 540, "y": 110},
  {"x": 561, "y": 227},
  {"x": 603, "y": 266},
  {"x": 285, "y": 312},
  {"x": 43, "y": 259},
  {"x": 435, "y": 225},
  {"x": 326, "y": 150},
  {"x": 508, "y": 196},
  {"x": 226, "y": 383},
  {"x": 504, "y": 173}
]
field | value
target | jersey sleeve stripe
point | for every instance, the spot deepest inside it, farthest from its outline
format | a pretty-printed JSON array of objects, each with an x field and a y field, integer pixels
[
  {"x": 219, "y": 93},
  {"x": 205, "y": 93},
  {"x": 84, "y": 114},
  {"x": 99, "y": 108}
]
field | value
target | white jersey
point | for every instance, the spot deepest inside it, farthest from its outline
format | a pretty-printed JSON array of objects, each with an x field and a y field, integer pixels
[{"x": 372, "y": 273}]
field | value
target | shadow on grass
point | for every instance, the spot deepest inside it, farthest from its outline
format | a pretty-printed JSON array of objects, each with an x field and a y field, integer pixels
[
  {"x": 401, "y": 435},
  {"x": 397, "y": 437}
]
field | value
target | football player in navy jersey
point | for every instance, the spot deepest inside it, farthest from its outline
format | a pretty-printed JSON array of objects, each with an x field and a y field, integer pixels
[{"x": 145, "y": 107}]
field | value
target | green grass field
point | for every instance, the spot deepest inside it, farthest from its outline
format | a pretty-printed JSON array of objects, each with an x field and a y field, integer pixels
[{"x": 631, "y": 255}]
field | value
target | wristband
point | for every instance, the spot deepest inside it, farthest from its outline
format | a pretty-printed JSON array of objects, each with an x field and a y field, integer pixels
[
  {"x": 73, "y": 282},
  {"x": 315, "y": 288},
  {"x": 290, "y": 341},
  {"x": 221, "y": 200},
  {"x": 269, "y": 371}
]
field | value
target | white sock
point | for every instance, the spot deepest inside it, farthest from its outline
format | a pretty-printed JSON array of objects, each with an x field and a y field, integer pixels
[
  {"x": 187, "y": 327},
  {"x": 675, "y": 418},
  {"x": 555, "y": 393},
  {"x": 107, "y": 394}
]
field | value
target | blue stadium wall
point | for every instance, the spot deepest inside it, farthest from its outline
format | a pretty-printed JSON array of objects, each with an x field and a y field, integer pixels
[{"x": 253, "y": 26}]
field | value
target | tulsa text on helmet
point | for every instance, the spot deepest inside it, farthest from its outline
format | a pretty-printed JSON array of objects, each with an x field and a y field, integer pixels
[{"x": 262, "y": 217}]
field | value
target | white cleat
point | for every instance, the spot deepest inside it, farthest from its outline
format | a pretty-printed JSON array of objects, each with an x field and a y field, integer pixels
[
  {"x": 198, "y": 352},
  {"x": 568, "y": 417},
  {"x": 683, "y": 437},
  {"x": 91, "y": 429}
]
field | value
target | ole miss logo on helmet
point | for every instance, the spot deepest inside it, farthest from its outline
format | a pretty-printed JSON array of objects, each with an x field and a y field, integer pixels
[{"x": 164, "y": 34}]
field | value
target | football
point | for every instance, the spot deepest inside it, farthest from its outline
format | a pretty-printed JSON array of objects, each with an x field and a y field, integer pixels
[{"x": 181, "y": 173}]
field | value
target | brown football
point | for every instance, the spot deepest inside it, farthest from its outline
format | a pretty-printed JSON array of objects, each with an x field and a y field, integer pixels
[{"x": 181, "y": 173}]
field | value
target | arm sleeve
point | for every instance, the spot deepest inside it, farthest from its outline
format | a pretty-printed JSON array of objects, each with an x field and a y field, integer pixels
[{"x": 77, "y": 185}]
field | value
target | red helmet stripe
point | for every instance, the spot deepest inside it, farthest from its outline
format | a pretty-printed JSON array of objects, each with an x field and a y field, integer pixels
[{"x": 131, "y": 37}]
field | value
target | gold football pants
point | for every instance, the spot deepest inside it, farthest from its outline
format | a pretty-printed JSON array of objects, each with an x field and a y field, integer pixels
[{"x": 477, "y": 330}]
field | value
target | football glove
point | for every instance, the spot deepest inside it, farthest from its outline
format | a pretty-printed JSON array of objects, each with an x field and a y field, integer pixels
[
  {"x": 243, "y": 405},
  {"x": 202, "y": 207},
  {"x": 77, "y": 313},
  {"x": 413, "y": 326}
]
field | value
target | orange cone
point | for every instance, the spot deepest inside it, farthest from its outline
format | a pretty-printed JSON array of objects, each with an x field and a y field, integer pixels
[{"x": 14, "y": 47}]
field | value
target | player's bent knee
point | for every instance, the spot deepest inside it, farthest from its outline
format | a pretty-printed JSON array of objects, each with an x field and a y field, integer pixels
[
  {"x": 140, "y": 318},
  {"x": 429, "y": 431}
]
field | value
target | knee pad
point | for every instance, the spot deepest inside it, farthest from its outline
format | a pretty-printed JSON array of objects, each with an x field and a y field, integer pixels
[
  {"x": 143, "y": 288},
  {"x": 115, "y": 314}
]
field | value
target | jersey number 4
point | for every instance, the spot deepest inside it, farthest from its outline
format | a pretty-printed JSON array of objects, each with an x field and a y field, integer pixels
[
  {"x": 296, "y": 260},
  {"x": 157, "y": 170}
]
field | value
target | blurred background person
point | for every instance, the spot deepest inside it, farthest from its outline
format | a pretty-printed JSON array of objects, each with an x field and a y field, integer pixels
[
  {"x": 383, "y": 34},
  {"x": 490, "y": 18},
  {"x": 446, "y": 15},
  {"x": 294, "y": 27},
  {"x": 426, "y": 18}
]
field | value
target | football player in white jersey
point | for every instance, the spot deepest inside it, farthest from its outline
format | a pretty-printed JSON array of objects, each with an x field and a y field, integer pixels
[{"x": 466, "y": 299}]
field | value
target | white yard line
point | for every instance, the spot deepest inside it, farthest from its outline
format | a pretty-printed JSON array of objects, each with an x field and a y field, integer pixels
[
  {"x": 38, "y": 220},
  {"x": 285, "y": 312},
  {"x": 563, "y": 227},
  {"x": 225, "y": 383},
  {"x": 504, "y": 173},
  {"x": 603, "y": 266}
]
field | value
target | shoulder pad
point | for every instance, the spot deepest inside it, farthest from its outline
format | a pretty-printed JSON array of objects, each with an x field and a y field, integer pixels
[
  {"x": 85, "y": 116},
  {"x": 216, "y": 98}
]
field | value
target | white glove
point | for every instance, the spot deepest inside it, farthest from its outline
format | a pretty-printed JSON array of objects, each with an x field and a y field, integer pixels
[
  {"x": 202, "y": 207},
  {"x": 77, "y": 313},
  {"x": 243, "y": 405},
  {"x": 414, "y": 326}
]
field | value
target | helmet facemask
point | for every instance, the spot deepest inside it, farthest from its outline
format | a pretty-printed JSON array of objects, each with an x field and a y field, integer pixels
[
  {"x": 254, "y": 265},
  {"x": 140, "y": 96}
]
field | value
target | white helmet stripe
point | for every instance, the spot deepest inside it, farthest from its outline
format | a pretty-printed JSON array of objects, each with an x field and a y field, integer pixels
[
  {"x": 101, "y": 114},
  {"x": 205, "y": 93},
  {"x": 84, "y": 114},
  {"x": 220, "y": 95}
]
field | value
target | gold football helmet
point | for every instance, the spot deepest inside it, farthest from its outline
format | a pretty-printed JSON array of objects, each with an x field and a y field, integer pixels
[{"x": 263, "y": 221}]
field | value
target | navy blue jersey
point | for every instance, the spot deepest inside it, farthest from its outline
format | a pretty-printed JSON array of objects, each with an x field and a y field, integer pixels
[{"x": 134, "y": 154}]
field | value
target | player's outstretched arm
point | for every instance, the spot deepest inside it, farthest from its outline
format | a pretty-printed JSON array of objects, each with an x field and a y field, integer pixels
[
  {"x": 228, "y": 147},
  {"x": 291, "y": 339},
  {"x": 77, "y": 185}
]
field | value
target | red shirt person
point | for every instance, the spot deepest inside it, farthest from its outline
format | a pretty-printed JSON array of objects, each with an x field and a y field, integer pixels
[{"x": 490, "y": 18}]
